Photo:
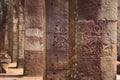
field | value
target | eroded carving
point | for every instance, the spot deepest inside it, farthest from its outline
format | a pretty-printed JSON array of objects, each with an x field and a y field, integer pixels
[
  {"x": 94, "y": 33},
  {"x": 59, "y": 42},
  {"x": 60, "y": 29}
]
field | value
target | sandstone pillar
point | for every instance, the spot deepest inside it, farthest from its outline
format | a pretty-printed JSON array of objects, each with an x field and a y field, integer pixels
[
  {"x": 21, "y": 30},
  {"x": 34, "y": 38},
  {"x": 57, "y": 39},
  {"x": 15, "y": 40},
  {"x": 10, "y": 28},
  {"x": 95, "y": 40}
]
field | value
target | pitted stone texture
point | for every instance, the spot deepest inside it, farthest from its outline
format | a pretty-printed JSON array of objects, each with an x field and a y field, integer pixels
[
  {"x": 108, "y": 10},
  {"x": 57, "y": 7},
  {"x": 109, "y": 76},
  {"x": 88, "y": 66},
  {"x": 37, "y": 3},
  {"x": 33, "y": 11},
  {"x": 33, "y": 43},
  {"x": 88, "y": 9},
  {"x": 34, "y": 32},
  {"x": 14, "y": 55},
  {"x": 57, "y": 61},
  {"x": 107, "y": 64},
  {"x": 93, "y": 77},
  {"x": 57, "y": 39},
  {"x": 112, "y": 32},
  {"x": 57, "y": 42},
  {"x": 57, "y": 75},
  {"x": 90, "y": 37},
  {"x": 99, "y": 9},
  {"x": 33, "y": 63},
  {"x": 59, "y": 24},
  {"x": 34, "y": 39},
  {"x": 33, "y": 21},
  {"x": 21, "y": 43},
  {"x": 96, "y": 39}
]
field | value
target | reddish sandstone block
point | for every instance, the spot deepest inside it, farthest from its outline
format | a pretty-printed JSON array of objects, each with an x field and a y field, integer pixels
[{"x": 33, "y": 63}]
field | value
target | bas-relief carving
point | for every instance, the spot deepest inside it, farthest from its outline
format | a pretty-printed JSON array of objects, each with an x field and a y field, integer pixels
[
  {"x": 57, "y": 24},
  {"x": 59, "y": 41},
  {"x": 60, "y": 29},
  {"x": 94, "y": 34}
]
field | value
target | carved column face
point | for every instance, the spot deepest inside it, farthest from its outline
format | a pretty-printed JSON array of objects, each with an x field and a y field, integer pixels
[
  {"x": 96, "y": 39},
  {"x": 57, "y": 39}
]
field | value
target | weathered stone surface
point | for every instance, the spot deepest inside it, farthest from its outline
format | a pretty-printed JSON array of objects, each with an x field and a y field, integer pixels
[
  {"x": 59, "y": 24},
  {"x": 32, "y": 21},
  {"x": 14, "y": 55},
  {"x": 33, "y": 43},
  {"x": 34, "y": 32},
  {"x": 21, "y": 44},
  {"x": 33, "y": 3},
  {"x": 107, "y": 64},
  {"x": 112, "y": 28},
  {"x": 58, "y": 9},
  {"x": 93, "y": 77},
  {"x": 88, "y": 9},
  {"x": 33, "y": 39},
  {"x": 95, "y": 40},
  {"x": 15, "y": 39},
  {"x": 33, "y": 11},
  {"x": 57, "y": 42},
  {"x": 1, "y": 40},
  {"x": 57, "y": 75},
  {"x": 21, "y": 32},
  {"x": 85, "y": 67},
  {"x": 33, "y": 63},
  {"x": 57, "y": 39},
  {"x": 108, "y": 10},
  {"x": 90, "y": 37},
  {"x": 71, "y": 38},
  {"x": 109, "y": 75},
  {"x": 57, "y": 61},
  {"x": 34, "y": 46}
]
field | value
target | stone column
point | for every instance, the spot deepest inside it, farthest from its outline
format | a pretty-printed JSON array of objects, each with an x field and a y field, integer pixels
[
  {"x": 15, "y": 40},
  {"x": 10, "y": 28},
  {"x": 95, "y": 40},
  {"x": 34, "y": 38},
  {"x": 6, "y": 38},
  {"x": 57, "y": 39},
  {"x": 21, "y": 30}
]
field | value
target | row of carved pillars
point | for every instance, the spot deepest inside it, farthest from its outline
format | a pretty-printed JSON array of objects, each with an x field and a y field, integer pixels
[{"x": 69, "y": 39}]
